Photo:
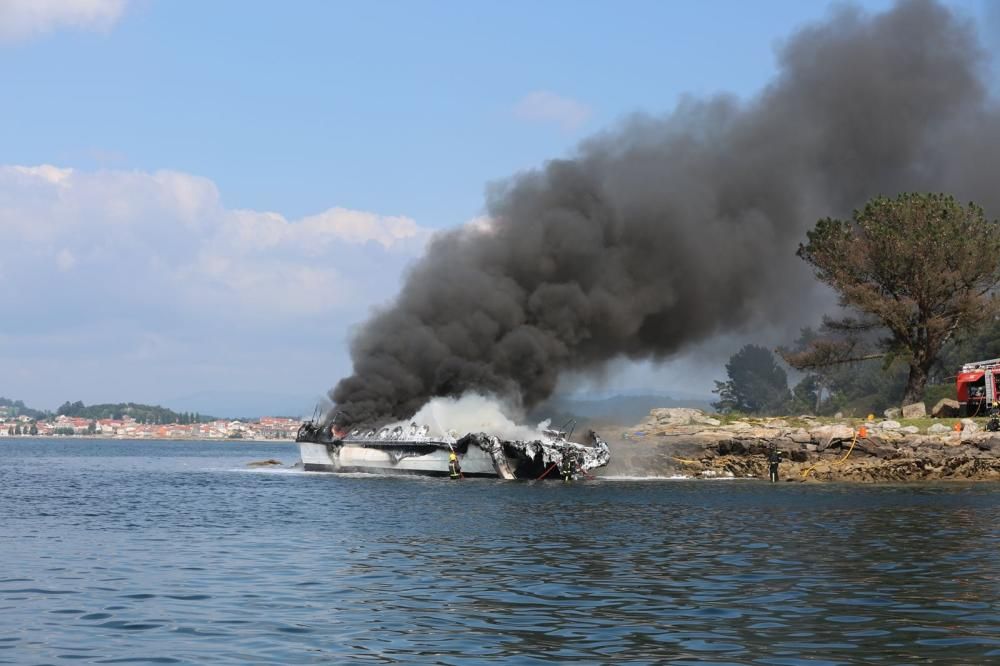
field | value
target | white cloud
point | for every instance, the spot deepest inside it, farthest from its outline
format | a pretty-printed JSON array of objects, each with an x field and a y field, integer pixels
[
  {"x": 359, "y": 227},
  {"x": 546, "y": 106},
  {"x": 146, "y": 283},
  {"x": 171, "y": 231},
  {"x": 23, "y": 19},
  {"x": 65, "y": 260}
]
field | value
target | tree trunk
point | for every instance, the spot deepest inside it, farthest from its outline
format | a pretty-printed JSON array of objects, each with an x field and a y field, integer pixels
[{"x": 915, "y": 384}]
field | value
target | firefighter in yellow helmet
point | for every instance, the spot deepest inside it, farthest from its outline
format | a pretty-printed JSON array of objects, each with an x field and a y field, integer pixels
[{"x": 454, "y": 469}]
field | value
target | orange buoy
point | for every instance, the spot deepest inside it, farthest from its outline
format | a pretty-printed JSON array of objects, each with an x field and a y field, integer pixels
[
  {"x": 863, "y": 432},
  {"x": 958, "y": 426}
]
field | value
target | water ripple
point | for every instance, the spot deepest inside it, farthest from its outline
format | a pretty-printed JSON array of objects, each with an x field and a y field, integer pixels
[{"x": 133, "y": 552}]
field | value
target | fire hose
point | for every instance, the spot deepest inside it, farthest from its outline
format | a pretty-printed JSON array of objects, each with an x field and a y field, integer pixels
[
  {"x": 546, "y": 472},
  {"x": 806, "y": 471}
]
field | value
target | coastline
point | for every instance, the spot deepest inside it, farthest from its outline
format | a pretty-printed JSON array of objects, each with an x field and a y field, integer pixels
[
  {"x": 235, "y": 440},
  {"x": 688, "y": 442}
]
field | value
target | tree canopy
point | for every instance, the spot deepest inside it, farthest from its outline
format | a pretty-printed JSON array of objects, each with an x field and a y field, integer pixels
[
  {"x": 920, "y": 266},
  {"x": 756, "y": 384},
  {"x": 141, "y": 413}
]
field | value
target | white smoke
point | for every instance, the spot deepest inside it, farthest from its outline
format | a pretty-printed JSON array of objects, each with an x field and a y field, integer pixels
[{"x": 474, "y": 412}]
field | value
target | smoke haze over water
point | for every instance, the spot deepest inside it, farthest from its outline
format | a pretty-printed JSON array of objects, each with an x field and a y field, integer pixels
[{"x": 665, "y": 231}]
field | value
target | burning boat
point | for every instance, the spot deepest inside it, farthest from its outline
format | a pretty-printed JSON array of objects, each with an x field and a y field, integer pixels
[{"x": 412, "y": 449}]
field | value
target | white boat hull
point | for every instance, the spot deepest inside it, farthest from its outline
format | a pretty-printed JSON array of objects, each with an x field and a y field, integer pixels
[
  {"x": 391, "y": 451},
  {"x": 319, "y": 457}
]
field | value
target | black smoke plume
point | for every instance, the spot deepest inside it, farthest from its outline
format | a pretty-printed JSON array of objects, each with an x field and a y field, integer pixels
[{"x": 665, "y": 231}]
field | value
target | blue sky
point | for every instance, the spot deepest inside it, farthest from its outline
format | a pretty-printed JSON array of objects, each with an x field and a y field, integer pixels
[{"x": 199, "y": 199}]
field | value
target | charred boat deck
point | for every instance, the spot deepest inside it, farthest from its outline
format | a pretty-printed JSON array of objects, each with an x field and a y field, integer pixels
[{"x": 412, "y": 450}]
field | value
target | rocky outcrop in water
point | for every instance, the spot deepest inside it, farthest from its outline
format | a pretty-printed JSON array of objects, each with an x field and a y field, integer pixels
[{"x": 691, "y": 443}]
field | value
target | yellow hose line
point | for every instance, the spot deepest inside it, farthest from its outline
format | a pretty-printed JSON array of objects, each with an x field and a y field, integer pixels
[{"x": 806, "y": 471}]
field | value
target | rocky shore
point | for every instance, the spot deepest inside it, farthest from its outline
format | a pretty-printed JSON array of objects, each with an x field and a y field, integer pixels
[{"x": 688, "y": 442}]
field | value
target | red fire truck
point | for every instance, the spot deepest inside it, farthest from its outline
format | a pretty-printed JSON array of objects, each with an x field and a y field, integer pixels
[{"x": 976, "y": 386}]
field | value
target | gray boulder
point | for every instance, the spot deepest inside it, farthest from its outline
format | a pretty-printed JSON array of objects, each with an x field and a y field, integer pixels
[
  {"x": 946, "y": 409},
  {"x": 675, "y": 415},
  {"x": 893, "y": 413},
  {"x": 888, "y": 424},
  {"x": 910, "y": 430},
  {"x": 916, "y": 410},
  {"x": 938, "y": 429}
]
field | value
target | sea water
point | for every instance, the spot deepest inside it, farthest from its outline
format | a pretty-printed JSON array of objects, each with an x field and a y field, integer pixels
[{"x": 177, "y": 552}]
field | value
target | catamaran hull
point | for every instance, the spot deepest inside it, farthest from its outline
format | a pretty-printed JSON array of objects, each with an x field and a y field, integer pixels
[
  {"x": 319, "y": 457},
  {"x": 391, "y": 452}
]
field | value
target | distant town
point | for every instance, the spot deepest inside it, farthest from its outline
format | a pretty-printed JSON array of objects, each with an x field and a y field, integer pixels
[{"x": 16, "y": 420}]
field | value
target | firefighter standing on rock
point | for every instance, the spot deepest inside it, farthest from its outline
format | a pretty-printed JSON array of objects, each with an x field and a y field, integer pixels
[{"x": 773, "y": 460}]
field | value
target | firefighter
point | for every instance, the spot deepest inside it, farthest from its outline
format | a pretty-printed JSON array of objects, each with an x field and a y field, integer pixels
[
  {"x": 454, "y": 469},
  {"x": 773, "y": 460},
  {"x": 993, "y": 425},
  {"x": 567, "y": 468}
]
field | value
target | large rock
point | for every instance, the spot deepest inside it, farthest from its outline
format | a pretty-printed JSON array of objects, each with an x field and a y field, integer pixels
[
  {"x": 676, "y": 416},
  {"x": 800, "y": 436},
  {"x": 916, "y": 410},
  {"x": 827, "y": 435},
  {"x": 938, "y": 429},
  {"x": 968, "y": 429},
  {"x": 888, "y": 425},
  {"x": 946, "y": 409},
  {"x": 892, "y": 413}
]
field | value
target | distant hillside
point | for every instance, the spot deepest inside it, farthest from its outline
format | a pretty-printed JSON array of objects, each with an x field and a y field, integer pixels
[
  {"x": 10, "y": 407},
  {"x": 619, "y": 409},
  {"x": 139, "y": 412}
]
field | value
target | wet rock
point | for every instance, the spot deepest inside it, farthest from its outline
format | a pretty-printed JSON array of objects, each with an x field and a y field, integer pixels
[
  {"x": 875, "y": 448},
  {"x": 892, "y": 413},
  {"x": 916, "y": 410},
  {"x": 799, "y": 456},
  {"x": 728, "y": 447},
  {"x": 992, "y": 443},
  {"x": 264, "y": 463},
  {"x": 946, "y": 409}
]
